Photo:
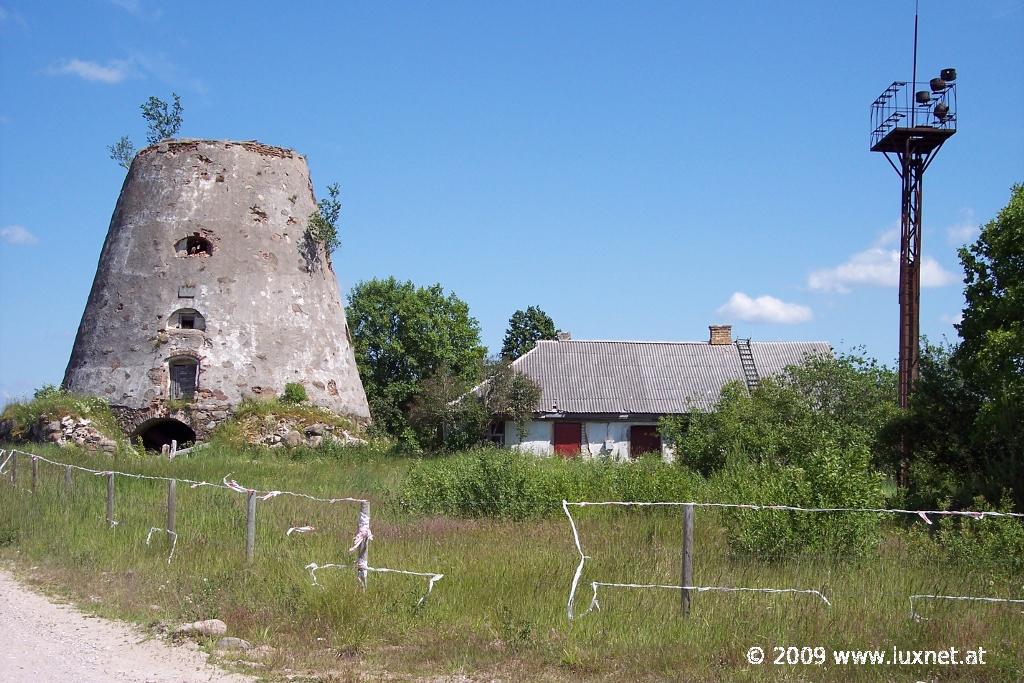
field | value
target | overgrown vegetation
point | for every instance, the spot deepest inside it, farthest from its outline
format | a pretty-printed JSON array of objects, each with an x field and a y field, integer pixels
[
  {"x": 294, "y": 392},
  {"x": 814, "y": 436},
  {"x": 51, "y": 402},
  {"x": 323, "y": 224},
  {"x": 839, "y": 403},
  {"x": 967, "y": 412},
  {"x": 254, "y": 418},
  {"x": 500, "y": 610},
  {"x": 829, "y": 477},
  {"x": 123, "y": 152},
  {"x": 448, "y": 413},
  {"x": 995, "y": 543},
  {"x": 403, "y": 334},
  {"x": 492, "y": 482},
  {"x": 162, "y": 121}
]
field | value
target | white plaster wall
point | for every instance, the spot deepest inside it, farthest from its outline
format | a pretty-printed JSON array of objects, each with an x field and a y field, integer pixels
[
  {"x": 608, "y": 439},
  {"x": 538, "y": 439}
]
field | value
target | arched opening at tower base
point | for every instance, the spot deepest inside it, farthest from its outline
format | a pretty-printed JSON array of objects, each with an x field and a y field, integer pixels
[{"x": 160, "y": 431}]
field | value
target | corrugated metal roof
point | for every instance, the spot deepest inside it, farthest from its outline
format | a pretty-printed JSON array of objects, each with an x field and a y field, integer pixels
[{"x": 579, "y": 376}]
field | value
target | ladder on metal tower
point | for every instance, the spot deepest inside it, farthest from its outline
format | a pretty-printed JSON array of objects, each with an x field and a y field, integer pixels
[{"x": 747, "y": 361}]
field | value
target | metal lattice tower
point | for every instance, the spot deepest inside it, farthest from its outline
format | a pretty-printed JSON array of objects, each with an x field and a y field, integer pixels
[{"x": 910, "y": 121}]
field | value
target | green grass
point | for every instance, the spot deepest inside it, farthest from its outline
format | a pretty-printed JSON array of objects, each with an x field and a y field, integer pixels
[{"x": 500, "y": 610}]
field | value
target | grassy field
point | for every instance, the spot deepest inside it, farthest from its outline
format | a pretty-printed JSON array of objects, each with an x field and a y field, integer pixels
[{"x": 500, "y": 611}]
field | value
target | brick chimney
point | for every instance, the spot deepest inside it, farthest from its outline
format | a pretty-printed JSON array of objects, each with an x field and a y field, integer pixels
[
  {"x": 564, "y": 336},
  {"x": 720, "y": 334}
]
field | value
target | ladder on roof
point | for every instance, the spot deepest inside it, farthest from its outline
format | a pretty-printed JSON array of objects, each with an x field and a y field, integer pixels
[{"x": 750, "y": 373}]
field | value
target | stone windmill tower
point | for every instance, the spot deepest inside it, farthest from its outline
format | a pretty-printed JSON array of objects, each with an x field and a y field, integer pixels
[{"x": 208, "y": 291}]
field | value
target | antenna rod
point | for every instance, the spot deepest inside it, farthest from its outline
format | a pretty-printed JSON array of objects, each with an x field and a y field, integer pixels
[{"x": 913, "y": 78}]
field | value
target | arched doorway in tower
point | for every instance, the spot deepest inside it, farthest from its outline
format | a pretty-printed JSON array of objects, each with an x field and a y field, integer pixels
[{"x": 160, "y": 431}]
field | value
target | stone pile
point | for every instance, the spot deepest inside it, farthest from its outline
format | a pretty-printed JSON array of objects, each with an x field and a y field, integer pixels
[
  {"x": 70, "y": 430},
  {"x": 290, "y": 434}
]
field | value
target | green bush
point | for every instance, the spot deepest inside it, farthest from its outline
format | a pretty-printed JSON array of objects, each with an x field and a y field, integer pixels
[
  {"x": 995, "y": 542},
  {"x": 931, "y": 480},
  {"x": 294, "y": 392},
  {"x": 447, "y": 417},
  {"x": 827, "y": 478},
  {"x": 825, "y": 402},
  {"x": 494, "y": 482}
]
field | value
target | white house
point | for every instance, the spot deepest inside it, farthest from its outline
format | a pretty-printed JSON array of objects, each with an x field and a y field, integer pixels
[{"x": 604, "y": 398}]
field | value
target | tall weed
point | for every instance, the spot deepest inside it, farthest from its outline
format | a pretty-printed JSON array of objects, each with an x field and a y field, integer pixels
[
  {"x": 826, "y": 478},
  {"x": 507, "y": 484}
]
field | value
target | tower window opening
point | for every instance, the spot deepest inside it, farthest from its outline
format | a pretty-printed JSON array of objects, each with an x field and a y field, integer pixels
[
  {"x": 193, "y": 245},
  {"x": 184, "y": 375},
  {"x": 186, "y": 319}
]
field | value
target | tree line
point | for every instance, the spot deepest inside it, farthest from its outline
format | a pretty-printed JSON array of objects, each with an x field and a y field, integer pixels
[{"x": 419, "y": 355}]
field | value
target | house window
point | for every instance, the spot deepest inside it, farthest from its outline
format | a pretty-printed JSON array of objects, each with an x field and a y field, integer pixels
[
  {"x": 187, "y": 319},
  {"x": 184, "y": 377},
  {"x": 193, "y": 245},
  {"x": 496, "y": 433}
]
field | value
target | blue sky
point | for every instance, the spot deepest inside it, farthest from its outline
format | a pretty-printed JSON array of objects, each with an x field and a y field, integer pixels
[{"x": 639, "y": 170}]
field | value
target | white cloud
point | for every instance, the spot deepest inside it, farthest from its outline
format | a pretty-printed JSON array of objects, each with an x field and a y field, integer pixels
[
  {"x": 18, "y": 235},
  {"x": 965, "y": 231},
  {"x": 764, "y": 309},
  {"x": 114, "y": 71},
  {"x": 952, "y": 319},
  {"x": 876, "y": 266}
]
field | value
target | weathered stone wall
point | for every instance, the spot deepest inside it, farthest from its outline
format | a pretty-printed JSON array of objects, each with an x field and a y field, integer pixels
[{"x": 267, "y": 294}]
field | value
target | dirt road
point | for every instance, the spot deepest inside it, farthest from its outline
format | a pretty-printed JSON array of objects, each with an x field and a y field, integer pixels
[{"x": 42, "y": 642}]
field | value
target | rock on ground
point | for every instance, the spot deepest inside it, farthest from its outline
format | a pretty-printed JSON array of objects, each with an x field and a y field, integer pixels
[
  {"x": 207, "y": 627},
  {"x": 233, "y": 644}
]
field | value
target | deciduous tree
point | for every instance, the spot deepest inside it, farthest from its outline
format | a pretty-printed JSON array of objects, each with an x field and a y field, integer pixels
[
  {"x": 162, "y": 120},
  {"x": 403, "y": 334},
  {"x": 525, "y": 329}
]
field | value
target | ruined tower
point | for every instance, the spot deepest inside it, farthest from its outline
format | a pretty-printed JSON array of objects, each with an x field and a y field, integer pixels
[{"x": 209, "y": 290}]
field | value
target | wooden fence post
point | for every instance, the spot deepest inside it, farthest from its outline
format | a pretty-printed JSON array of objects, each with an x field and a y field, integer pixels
[
  {"x": 250, "y": 527},
  {"x": 685, "y": 596},
  {"x": 364, "y": 548},
  {"x": 14, "y": 467},
  {"x": 67, "y": 478},
  {"x": 110, "y": 499},
  {"x": 35, "y": 473},
  {"x": 172, "y": 509},
  {"x": 174, "y": 449}
]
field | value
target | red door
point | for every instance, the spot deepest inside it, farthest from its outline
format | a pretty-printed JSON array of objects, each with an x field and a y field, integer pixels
[
  {"x": 567, "y": 438},
  {"x": 644, "y": 439}
]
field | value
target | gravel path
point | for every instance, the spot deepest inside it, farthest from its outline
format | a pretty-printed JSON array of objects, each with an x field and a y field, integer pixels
[{"x": 41, "y": 642}]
